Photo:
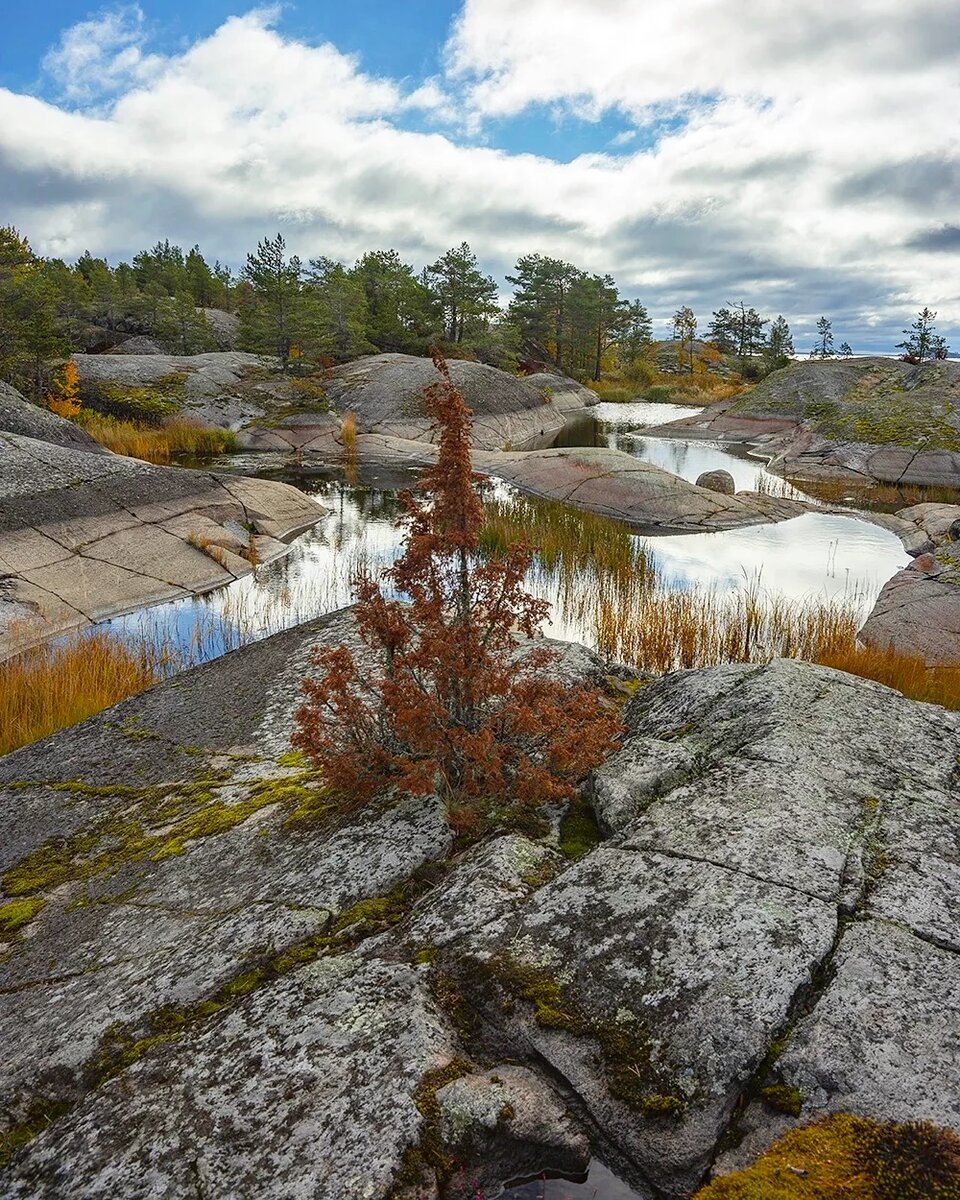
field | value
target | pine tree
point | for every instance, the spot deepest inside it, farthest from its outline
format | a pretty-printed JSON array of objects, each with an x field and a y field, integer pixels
[
  {"x": 779, "y": 348},
  {"x": 684, "y": 331},
  {"x": 919, "y": 343},
  {"x": 467, "y": 297},
  {"x": 452, "y": 707},
  {"x": 824, "y": 344},
  {"x": 270, "y": 320}
]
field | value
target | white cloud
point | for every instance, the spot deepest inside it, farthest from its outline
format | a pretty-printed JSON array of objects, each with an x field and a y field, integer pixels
[
  {"x": 102, "y": 54},
  {"x": 815, "y": 168}
]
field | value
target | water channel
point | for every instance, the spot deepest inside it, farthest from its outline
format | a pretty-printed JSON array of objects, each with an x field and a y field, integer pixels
[{"x": 819, "y": 556}]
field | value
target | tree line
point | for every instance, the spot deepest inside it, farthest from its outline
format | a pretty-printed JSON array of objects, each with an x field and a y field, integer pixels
[{"x": 320, "y": 312}]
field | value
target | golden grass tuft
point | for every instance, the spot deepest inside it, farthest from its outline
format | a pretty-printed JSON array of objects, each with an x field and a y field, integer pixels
[
  {"x": 51, "y": 686},
  {"x": 156, "y": 443}
]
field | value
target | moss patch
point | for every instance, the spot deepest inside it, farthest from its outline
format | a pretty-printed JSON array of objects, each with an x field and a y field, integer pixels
[
  {"x": 850, "y": 1157},
  {"x": 18, "y": 913},
  {"x": 625, "y": 1046},
  {"x": 579, "y": 831}
]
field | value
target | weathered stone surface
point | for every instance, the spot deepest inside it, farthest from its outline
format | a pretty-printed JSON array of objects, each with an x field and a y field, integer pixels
[
  {"x": 940, "y": 522},
  {"x": 385, "y": 391},
  {"x": 135, "y": 345},
  {"x": 18, "y": 415},
  {"x": 504, "y": 1124},
  {"x": 225, "y": 327},
  {"x": 86, "y": 536},
  {"x": 618, "y": 485},
  {"x": 718, "y": 481},
  {"x": 873, "y": 419},
  {"x": 918, "y": 610},
  {"x": 565, "y": 393},
  {"x": 214, "y": 388},
  {"x": 781, "y": 871}
]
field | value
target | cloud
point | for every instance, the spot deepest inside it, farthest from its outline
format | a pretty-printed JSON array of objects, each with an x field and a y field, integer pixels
[
  {"x": 797, "y": 158},
  {"x": 102, "y": 54},
  {"x": 946, "y": 239}
]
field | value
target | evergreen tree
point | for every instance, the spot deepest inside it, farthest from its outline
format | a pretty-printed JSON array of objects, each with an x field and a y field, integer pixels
[
  {"x": 779, "y": 346},
  {"x": 181, "y": 328},
  {"x": 721, "y": 331},
  {"x": 336, "y": 312},
  {"x": 919, "y": 343},
  {"x": 824, "y": 344},
  {"x": 466, "y": 296},
  {"x": 634, "y": 335},
  {"x": 540, "y": 307},
  {"x": 270, "y": 320},
  {"x": 845, "y": 350},
  {"x": 400, "y": 310}
]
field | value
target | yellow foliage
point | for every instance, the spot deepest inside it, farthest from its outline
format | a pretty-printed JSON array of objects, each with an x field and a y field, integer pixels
[
  {"x": 64, "y": 399},
  {"x": 157, "y": 444}
]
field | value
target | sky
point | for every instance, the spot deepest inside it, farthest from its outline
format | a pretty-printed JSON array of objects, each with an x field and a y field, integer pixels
[{"x": 800, "y": 155}]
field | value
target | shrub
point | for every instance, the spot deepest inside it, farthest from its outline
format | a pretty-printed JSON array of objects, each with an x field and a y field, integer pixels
[
  {"x": 452, "y": 707},
  {"x": 64, "y": 399}
]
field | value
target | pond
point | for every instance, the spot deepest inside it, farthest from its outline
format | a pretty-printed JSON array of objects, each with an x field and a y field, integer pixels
[
  {"x": 621, "y": 427},
  {"x": 600, "y": 578},
  {"x": 599, "y": 1183}
]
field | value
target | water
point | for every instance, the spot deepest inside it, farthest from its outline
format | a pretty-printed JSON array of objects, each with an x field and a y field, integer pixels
[
  {"x": 599, "y": 1184},
  {"x": 620, "y": 427},
  {"x": 814, "y": 556}
]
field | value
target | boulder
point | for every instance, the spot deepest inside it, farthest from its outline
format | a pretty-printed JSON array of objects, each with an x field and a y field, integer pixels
[
  {"x": 225, "y": 327},
  {"x": 88, "y": 536},
  {"x": 717, "y": 481},
  {"x": 385, "y": 392},
  {"x": 20, "y": 416},
  {"x": 918, "y": 610},
  {"x": 565, "y": 393},
  {"x": 219, "y": 389},
  {"x": 215, "y": 984}
]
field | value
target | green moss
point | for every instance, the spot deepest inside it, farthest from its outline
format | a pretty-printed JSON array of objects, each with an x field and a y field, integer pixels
[
  {"x": 429, "y": 1158},
  {"x": 624, "y": 1046},
  {"x": 130, "y": 402},
  {"x": 18, "y": 913},
  {"x": 426, "y": 954},
  {"x": 579, "y": 831},
  {"x": 850, "y": 1157},
  {"x": 40, "y": 1113},
  {"x": 293, "y": 758},
  {"x": 783, "y": 1098}
]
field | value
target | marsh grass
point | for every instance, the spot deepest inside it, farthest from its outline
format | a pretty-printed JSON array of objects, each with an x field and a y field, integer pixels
[
  {"x": 51, "y": 686},
  {"x": 156, "y": 443},
  {"x": 603, "y": 581}
]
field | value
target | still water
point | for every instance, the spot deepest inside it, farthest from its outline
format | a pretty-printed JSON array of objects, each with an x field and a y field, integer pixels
[{"x": 814, "y": 556}]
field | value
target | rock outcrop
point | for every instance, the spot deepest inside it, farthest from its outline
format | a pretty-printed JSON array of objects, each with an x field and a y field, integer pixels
[
  {"x": 85, "y": 536},
  {"x": 385, "y": 392},
  {"x": 19, "y": 416},
  {"x": 214, "y": 984},
  {"x": 222, "y": 389},
  {"x": 872, "y": 419}
]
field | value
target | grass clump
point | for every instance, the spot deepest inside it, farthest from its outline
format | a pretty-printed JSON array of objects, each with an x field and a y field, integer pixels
[
  {"x": 850, "y": 1157},
  {"x": 51, "y": 686},
  {"x": 157, "y": 443}
]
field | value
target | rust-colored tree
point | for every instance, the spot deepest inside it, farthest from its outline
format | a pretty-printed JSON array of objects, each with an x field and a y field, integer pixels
[{"x": 458, "y": 704}]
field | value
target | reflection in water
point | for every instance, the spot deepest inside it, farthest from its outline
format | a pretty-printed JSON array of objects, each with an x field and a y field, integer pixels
[
  {"x": 599, "y": 1184},
  {"x": 666, "y": 601},
  {"x": 622, "y": 425}
]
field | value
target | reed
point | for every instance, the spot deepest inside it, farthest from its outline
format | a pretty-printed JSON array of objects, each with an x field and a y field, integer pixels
[
  {"x": 156, "y": 443},
  {"x": 51, "y": 686}
]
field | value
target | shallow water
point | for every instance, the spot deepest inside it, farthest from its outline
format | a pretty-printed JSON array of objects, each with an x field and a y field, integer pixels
[
  {"x": 620, "y": 427},
  {"x": 814, "y": 556},
  {"x": 599, "y": 1184}
]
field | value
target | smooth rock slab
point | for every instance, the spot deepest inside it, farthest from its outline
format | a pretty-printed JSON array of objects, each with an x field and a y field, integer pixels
[{"x": 917, "y": 614}]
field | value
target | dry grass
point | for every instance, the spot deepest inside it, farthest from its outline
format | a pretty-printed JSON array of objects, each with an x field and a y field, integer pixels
[
  {"x": 49, "y": 687},
  {"x": 884, "y": 496},
  {"x": 156, "y": 443},
  {"x": 602, "y": 580}
]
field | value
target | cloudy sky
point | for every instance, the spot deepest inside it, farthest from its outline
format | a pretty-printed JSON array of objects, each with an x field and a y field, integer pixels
[{"x": 803, "y": 155}]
